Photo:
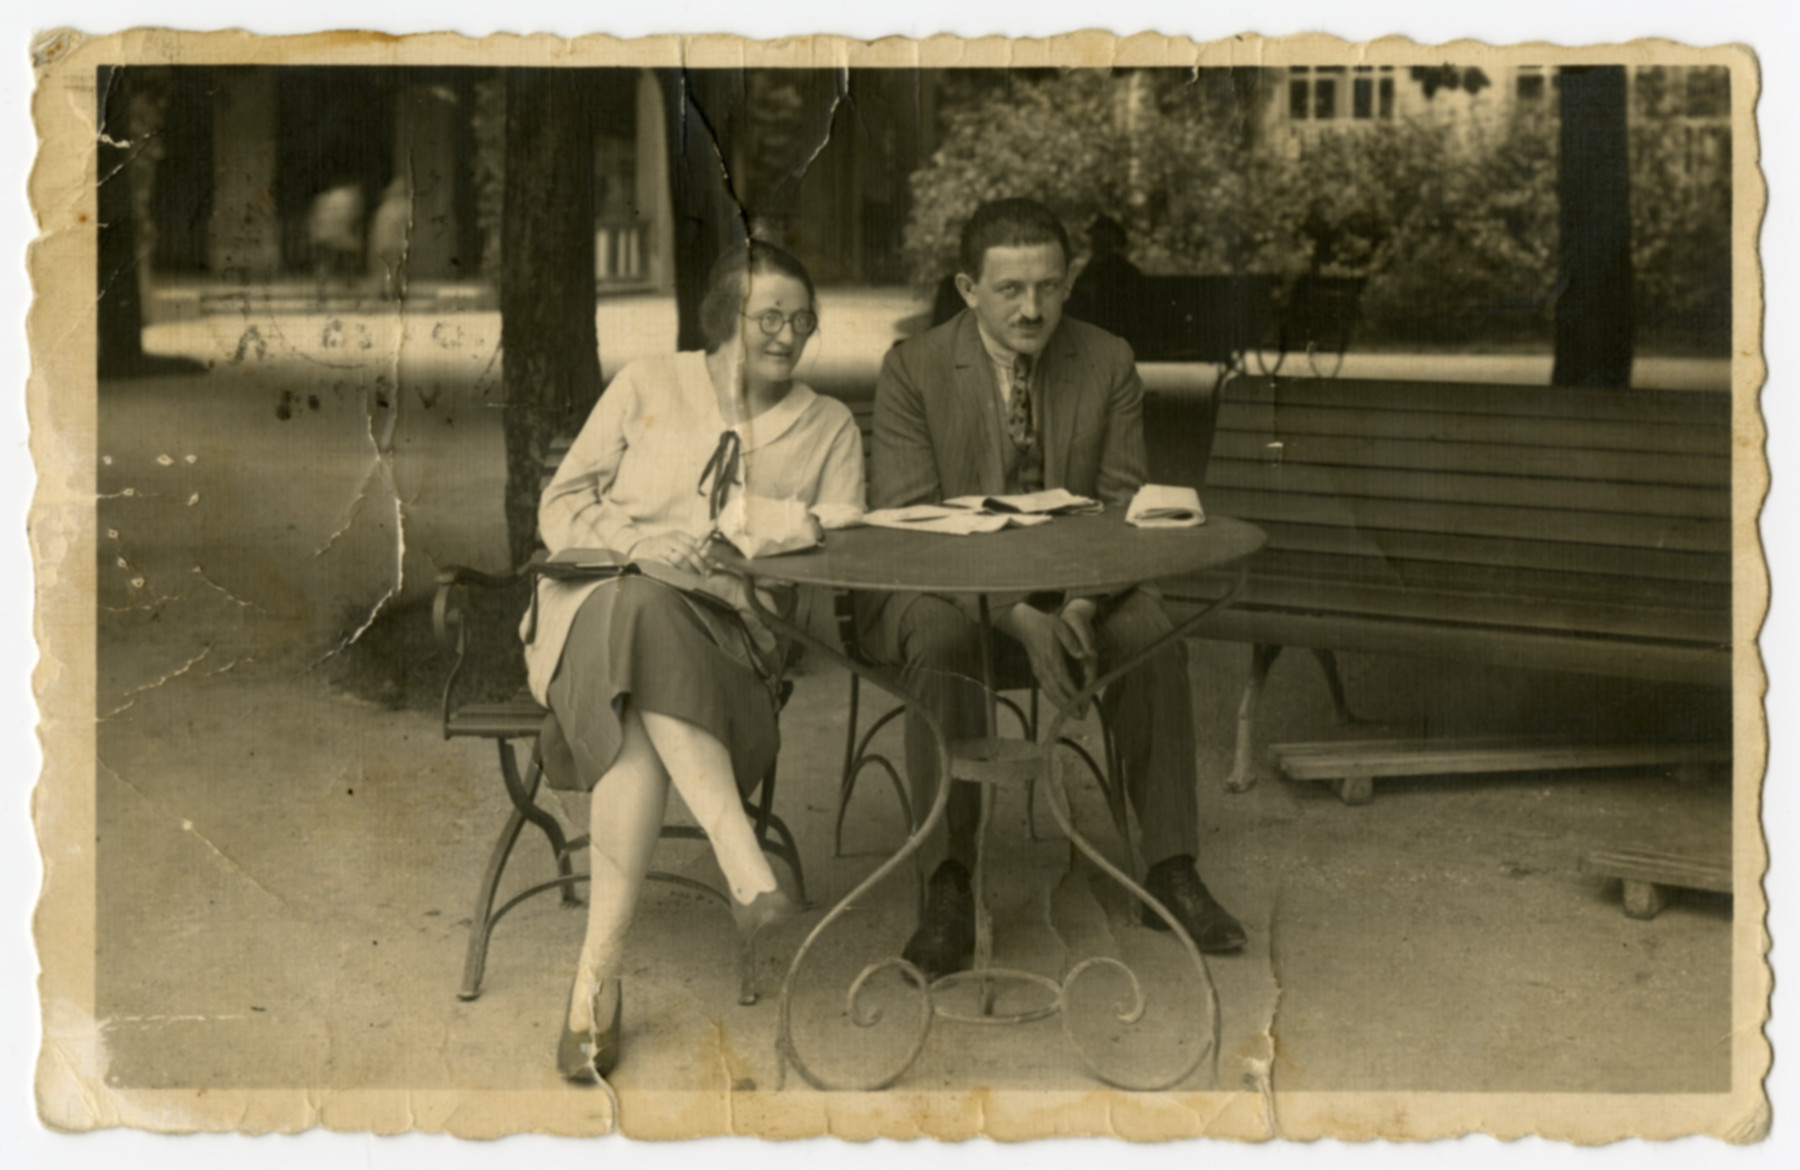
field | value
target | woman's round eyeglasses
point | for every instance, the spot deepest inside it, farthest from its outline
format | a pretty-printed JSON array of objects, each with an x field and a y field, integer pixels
[{"x": 803, "y": 322}]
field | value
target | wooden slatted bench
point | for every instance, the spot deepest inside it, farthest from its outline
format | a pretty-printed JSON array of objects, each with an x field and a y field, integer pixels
[{"x": 1531, "y": 527}]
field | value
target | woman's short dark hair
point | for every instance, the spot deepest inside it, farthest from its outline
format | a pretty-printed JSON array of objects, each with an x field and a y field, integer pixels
[
  {"x": 725, "y": 285},
  {"x": 1008, "y": 223}
]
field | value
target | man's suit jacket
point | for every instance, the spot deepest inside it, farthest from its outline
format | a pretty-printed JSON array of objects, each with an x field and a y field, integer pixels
[{"x": 939, "y": 427}]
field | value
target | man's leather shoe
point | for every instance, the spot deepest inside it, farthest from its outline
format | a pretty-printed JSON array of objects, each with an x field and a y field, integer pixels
[
  {"x": 1175, "y": 884},
  {"x": 945, "y": 940}
]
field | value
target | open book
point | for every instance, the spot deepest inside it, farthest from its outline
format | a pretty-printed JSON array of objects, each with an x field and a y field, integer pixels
[
  {"x": 945, "y": 519},
  {"x": 1054, "y": 502}
]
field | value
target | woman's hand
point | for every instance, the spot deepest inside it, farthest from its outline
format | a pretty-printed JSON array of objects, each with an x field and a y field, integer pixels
[{"x": 674, "y": 548}]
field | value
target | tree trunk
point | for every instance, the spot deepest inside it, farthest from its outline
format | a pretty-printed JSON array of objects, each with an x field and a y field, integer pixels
[
  {"x": 1594, "y": 315},
  {"x": 119, "y": 310},
  {"x": 708, "y": 219},
  {"x": 550, "y": 347}
]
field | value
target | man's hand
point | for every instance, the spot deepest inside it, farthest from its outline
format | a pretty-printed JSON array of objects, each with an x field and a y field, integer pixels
[
  {"x": 1052, "y": 642},
  {"x": 674, "y": 548},
  {"x": 1078, "y": 615}
]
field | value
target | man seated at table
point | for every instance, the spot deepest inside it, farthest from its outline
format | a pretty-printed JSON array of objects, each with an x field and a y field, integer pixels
[{"x": 1010, "y": 396}]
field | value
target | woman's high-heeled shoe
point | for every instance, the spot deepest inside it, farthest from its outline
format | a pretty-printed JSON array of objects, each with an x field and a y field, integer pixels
[
  {"x": 587, "y": 1057},
  {"x": 767, "y": 909}
]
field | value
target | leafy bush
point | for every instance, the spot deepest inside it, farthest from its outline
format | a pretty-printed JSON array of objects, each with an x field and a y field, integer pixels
[
  {"x": 1045, "y": 139},
  {"x": 1472, "y": 253},
  {"x": 1681, "y": 234},
  {"x": 1454, "y": 227}
]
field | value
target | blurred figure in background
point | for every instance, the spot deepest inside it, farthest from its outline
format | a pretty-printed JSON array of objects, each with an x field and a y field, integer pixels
[
  {"x": 334, "y": 233},
  {"x": 389, "y": 234},
  {"x": 1109, "y": 291}
]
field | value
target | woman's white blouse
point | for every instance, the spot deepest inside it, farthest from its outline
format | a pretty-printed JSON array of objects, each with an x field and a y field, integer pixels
[{"x": 634, "y": 472}]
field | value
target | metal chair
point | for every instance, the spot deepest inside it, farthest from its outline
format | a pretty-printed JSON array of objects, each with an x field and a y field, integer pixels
[{"x": 520, "y": 719}]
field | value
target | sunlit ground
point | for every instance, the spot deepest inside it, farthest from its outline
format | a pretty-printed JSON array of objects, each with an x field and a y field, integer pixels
[{"x": 443, "y": 330}]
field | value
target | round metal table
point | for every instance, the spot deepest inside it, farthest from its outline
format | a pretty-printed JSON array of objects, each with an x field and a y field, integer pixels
[{"x": 1094, "y": 553}]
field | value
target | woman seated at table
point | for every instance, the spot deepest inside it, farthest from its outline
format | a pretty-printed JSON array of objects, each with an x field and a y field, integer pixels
[{"x": 665, "y": 677}]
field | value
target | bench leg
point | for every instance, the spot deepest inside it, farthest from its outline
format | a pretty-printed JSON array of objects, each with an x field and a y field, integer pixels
[
  {"x": 1644, "y": 899},
  {"x": 1334, "y": 682},
  {"x": 1243, "y": 770}
]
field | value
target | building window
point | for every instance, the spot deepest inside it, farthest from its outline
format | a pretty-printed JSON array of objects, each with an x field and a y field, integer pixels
[
  {"x": 1321, "y": 93},
  {"x": 1325, "y": 98},
  {"x": 1530, "y": 87}
]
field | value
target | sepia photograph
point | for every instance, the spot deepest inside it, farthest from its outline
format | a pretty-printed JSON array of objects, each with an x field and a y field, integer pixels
[{"x": 1129, "y": 585}]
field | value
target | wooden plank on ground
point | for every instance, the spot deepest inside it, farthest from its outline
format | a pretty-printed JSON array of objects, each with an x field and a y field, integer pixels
[
  {"x": 1338, "y": 760},
  {"x": 1688, "y": 871}
]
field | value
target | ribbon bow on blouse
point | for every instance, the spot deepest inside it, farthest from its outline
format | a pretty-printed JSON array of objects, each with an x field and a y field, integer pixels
[{"x": 723, "y": 469}]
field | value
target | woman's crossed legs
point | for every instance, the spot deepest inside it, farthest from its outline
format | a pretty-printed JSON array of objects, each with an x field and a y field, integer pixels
[{"x": 625, "y": 820}]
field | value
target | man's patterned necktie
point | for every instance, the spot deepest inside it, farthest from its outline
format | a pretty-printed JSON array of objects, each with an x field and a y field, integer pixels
[{"x": 1018, "y": 403}]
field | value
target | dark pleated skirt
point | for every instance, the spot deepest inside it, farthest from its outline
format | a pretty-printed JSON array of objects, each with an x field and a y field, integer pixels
[{"x": 686, "y": 657}]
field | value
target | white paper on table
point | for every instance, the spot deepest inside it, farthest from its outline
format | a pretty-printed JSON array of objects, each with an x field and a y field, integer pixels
[
  {"x": 954, "y": 521},
  {"x": 1051, "y": 502},
  {"x": 1164, "y": 506},
  {"x": 935, "y": 518}
]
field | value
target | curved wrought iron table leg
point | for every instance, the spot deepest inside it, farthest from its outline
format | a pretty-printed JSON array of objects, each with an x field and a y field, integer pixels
[
  {"x": 1051, "y": 777},
  {"x": 786, "y": 1047},
  {"x": 1044, "y": 750}
]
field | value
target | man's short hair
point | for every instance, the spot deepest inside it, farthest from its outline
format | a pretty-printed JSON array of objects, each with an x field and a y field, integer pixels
[{"x": 1008, "y": 223}]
